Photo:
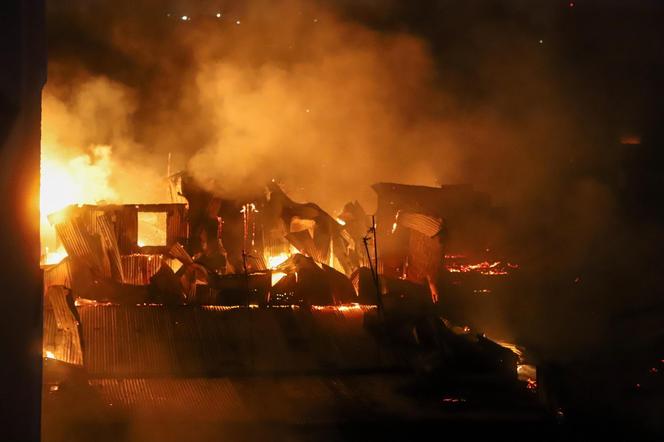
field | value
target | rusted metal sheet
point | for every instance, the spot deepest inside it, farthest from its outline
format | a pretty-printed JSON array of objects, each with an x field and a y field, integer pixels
[
  {"x": 139, "y": 268},
  {"x": 137, "y": 341}
]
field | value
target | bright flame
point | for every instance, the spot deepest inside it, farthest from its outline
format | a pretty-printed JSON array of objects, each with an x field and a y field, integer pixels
[
  {"x": 276, "y": 277},
  {"x": 53, "y": 257},
  {"x": 274, "y": 261},
  {"x": 67, "y": 180},
  {"x": 81, "y": 179},
  {"x": 49, "y": 354},
  {"x": 340, "y": 221}
]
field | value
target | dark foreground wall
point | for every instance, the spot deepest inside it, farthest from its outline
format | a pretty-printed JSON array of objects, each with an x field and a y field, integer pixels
[{"x": 22, "y": 75}]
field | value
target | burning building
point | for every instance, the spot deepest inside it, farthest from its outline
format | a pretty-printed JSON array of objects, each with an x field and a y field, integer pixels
[{"x": 191, "y": 310}]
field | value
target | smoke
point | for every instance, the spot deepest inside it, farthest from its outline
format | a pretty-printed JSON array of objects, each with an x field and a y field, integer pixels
[
  {"x": 330, "y": 97},
  {"x": 291, "y": 91}
]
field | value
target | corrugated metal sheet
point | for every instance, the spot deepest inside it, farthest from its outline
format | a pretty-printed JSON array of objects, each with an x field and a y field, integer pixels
[
  {"x": 188, "y": 340},
  {"x": 58, "y": 274},
  {"x": 303, "y": 242},
  {"x": 425, "y": 258},
  {"x": 83, "y": 246},
  {"x": 104, "y": 227},
  {"x": 178, "y": 252},
  {"x": 282, "y": 400},
  {"x": 177, "y": 225},
  {"x": 424, "y": 224},
  {"x": 61, "y": 328},
  {"x": 118, "y": 226},
  {"x": 126, "y": 229},
  {"x": 139, "y": 268},
  {"x": 200, "y": 397}
]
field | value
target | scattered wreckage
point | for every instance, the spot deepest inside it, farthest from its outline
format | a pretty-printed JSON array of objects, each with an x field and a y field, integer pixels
[{"x": 215, "y": 288}]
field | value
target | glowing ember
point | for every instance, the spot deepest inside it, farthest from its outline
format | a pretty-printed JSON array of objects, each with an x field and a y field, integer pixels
[
  {"x": 352, "y": 307},
  {"x": 484, "y": 268}
]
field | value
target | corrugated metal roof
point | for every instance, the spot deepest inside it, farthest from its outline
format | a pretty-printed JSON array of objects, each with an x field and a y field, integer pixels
[
  {"x": 104, "y": 227},
  {"x": 424, "y": 224},
  {"x": 139, "y": 268},
  {"x": 191, "y": 341},
  {"x": 200, "y": 397},
  {"x": 287, "y": 400},
  {"x": 61, "y": 327},
  {"x": 83, "y": 245},
  {"x": 58, "y": 274}
]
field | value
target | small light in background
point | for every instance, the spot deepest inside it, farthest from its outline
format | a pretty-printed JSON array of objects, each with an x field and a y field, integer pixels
[
  {"x": 185, "y": 18},
  {"x": 237, "y": 22},
  {"x": 218, "y": 14}
]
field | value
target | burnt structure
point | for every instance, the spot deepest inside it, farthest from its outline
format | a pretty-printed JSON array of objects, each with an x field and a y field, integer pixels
[{"x": 199, "y": 321}]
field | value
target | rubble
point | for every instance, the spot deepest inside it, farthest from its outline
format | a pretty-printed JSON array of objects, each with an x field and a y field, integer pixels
[{"x": 263, "y": 285}]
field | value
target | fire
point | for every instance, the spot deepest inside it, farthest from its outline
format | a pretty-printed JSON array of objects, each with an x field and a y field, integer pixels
[
  {"x": 53, "y": 257},
  {"x": 273, "y": 262},
  {"x": 49, "y": 354},
  {"x": 485, "y": 268},
  {"x": 67, "y": 180},
  {"x": 81, "y": 179}
]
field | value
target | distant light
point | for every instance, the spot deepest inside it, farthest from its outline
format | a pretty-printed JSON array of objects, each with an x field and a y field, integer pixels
[
  {"x": 541, "y": 41},
  {"x": 307, "y": 110},
  {"x": 218, "y": 14},
  {"x": 571, "y": 4},
  {"x": 184, "y": 18},
  {"x": 237, "y": 22},
  {"x": 315, "y": 20}
]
